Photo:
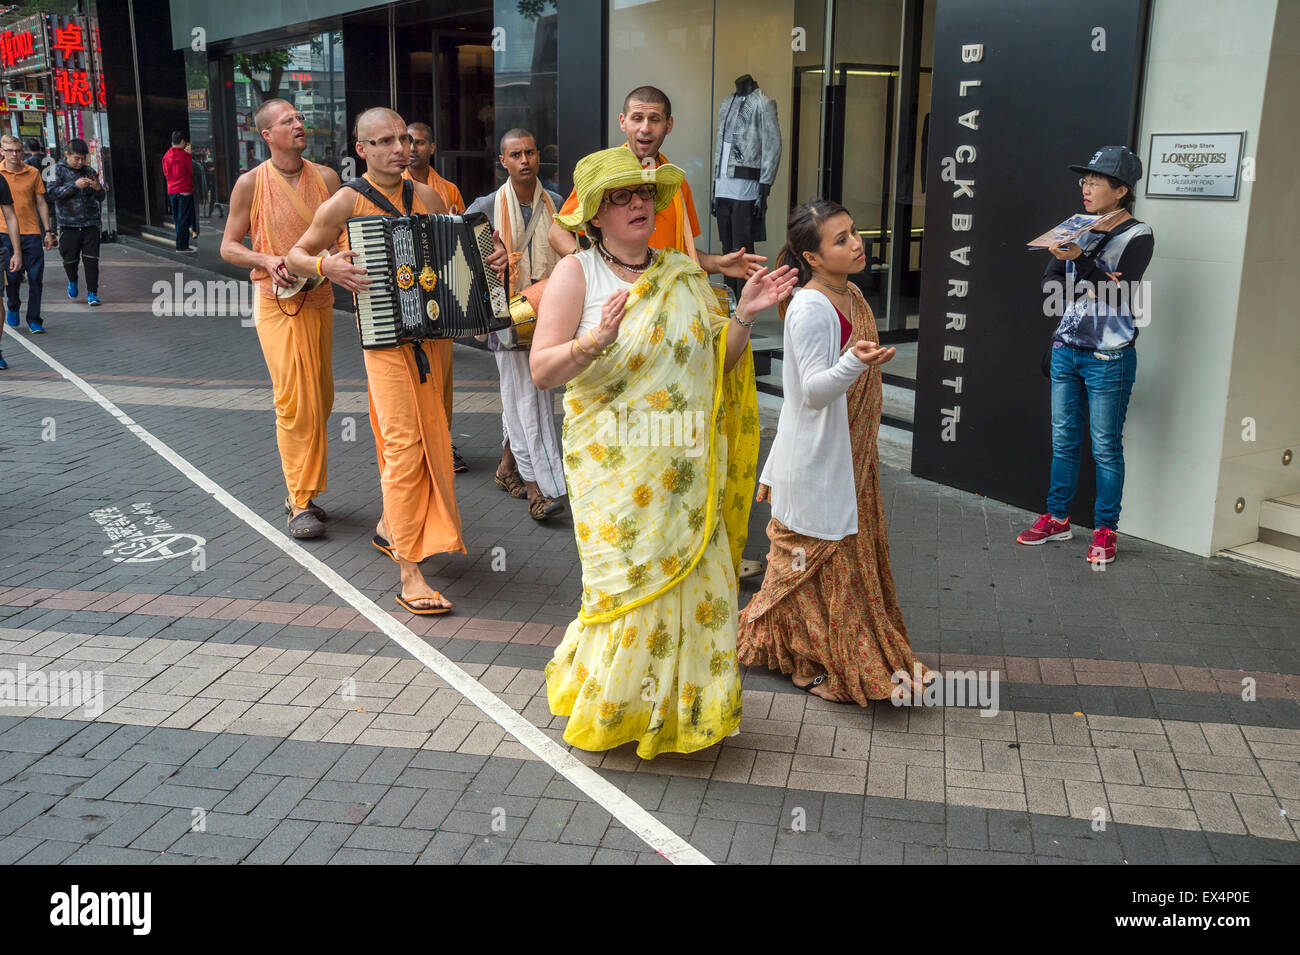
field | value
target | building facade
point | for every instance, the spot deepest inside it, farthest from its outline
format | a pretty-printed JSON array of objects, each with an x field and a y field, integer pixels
[
  {"x": 52, "y": 71},
  {"x": 916, "y": 114}
]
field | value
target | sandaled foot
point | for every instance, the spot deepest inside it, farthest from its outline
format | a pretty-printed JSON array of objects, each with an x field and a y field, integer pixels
[
  {"x": 305, "y": 526},
  {"x": 425, "y": 605},
  {"x": 818, "y": 688},
  {"x": 381, "y": 543},
  {"x": 311, "y": 506},
  {"x": 511, "y": 483},
  {"x": 541, "y": 507},
  {"x": 458, "y": 465}
]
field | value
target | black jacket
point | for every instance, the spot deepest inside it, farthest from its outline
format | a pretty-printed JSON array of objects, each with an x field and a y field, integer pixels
[{"x": 74, "y": 207}]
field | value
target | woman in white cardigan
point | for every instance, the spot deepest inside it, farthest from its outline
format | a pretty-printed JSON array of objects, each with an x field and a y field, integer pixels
[{"x": 827, "y": 613}]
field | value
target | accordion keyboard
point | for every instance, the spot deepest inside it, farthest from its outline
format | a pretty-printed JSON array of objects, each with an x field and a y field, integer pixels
[{"x": 376, "y": 306}]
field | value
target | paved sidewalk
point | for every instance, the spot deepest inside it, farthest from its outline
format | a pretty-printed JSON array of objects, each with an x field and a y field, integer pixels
[{"x": 1148, "y": 713}]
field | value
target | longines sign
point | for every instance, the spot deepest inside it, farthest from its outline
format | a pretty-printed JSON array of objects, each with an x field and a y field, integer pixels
[{"x": 1194, "y": 165}]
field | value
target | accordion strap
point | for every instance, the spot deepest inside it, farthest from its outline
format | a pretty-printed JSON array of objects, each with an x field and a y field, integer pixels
[{"x": 364, "y": 187}]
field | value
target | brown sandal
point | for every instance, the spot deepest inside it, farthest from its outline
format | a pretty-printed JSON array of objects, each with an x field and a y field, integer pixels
[
  {"x": 541, "y": 507},
  {"x": 511, "y": 483}
]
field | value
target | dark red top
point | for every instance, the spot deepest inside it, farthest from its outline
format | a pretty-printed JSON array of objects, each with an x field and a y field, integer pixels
[{"x": 846, "y": 328}]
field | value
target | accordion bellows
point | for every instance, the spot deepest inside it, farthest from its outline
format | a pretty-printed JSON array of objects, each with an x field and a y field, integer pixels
[{"x": 427, "y": 279}]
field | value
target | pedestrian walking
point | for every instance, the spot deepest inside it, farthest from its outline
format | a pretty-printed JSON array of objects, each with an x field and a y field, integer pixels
[
  {"x": 77, "y": 192},
  {"x": 827, "y": 613},
  {"x": 36, "y": 236}
]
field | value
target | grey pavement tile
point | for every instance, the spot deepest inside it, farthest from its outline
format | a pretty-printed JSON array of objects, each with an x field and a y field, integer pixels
[
  {"x": 881, "y": 852},
  {"x": 281, "y": 843},
  {"x": 350, "y": 856},
  {"x": 431, "y": 809},
  {"x": 50, "y": 852},
  {"x": 967, "y": 827},
  {"x": 23, "y": 810},
  {"x": 547, "y": 853},
  {"x": 394, "y": 806},
  {"x": 488, "y": 850},
  {"x": 389, "y": 839},
  {"x": 924, "y": 855},
  {"x": 446, "y": 848},
  {"x": 13, "y": 848}
]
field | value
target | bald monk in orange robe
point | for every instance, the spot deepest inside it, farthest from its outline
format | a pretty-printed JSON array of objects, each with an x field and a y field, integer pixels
[
  {"x": 420, "y": 169},
  {"x": 275, "y": 202},
  {"x": 412, "y": 440}
]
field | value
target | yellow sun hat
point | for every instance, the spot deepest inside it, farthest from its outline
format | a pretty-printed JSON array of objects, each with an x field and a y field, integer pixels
[{"x": 612, "y": 169}]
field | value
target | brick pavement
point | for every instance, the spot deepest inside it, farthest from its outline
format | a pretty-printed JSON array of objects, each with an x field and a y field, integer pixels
[{"x": 1122, "y": 692}]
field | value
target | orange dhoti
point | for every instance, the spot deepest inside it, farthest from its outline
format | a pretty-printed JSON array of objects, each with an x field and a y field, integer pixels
[
  {"x": 299, "y": 356},
  {"x": 413, "y": 444},
  {"x": 443, "y": 347}
]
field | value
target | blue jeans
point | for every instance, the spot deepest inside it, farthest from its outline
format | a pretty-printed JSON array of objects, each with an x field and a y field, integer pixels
[
  {"x": 1104, "y": 384},
  {"x": 182, "y": 217},
  {"x": 34, "y": 266}
]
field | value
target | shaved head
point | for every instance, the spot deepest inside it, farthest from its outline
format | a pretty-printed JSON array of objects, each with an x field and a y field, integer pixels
[
  {"x": 377, "y": 118},
  {"x": 424, "y": 129},
  {"x": 266, "y": 113}
]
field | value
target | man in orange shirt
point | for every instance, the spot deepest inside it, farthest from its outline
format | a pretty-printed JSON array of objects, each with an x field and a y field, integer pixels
[
  {"x": 28, "y": 192},
  {"x": 646, "y": 120},
  {"x": 421, "y": 169}
]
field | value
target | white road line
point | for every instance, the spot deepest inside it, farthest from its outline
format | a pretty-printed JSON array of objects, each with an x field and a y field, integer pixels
[{"x": 626, "y": 810}]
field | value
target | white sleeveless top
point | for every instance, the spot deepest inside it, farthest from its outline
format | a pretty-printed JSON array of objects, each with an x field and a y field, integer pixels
[{"x": 601, "y": 284}]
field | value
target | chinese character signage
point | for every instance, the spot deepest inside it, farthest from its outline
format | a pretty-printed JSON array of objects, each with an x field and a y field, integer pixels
[
  {"x": 1194, "y": 165},
  {"x": 22, "y": 47},
  {"x": 71, "y": 45}
]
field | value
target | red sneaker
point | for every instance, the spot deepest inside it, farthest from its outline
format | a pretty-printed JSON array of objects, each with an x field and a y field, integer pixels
[
  {"x": 1102, "y": 550},
  {"x": 1046, "y": 528}
]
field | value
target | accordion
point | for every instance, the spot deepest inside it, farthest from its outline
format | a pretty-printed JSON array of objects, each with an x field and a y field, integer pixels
[{"x": 427, "y": 279}]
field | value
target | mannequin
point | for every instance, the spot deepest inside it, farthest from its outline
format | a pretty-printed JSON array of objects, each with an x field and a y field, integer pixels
[{"x": 746, "y": 154}]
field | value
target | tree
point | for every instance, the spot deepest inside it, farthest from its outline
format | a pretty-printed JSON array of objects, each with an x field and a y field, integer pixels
[{"x": 271, "y": 63}]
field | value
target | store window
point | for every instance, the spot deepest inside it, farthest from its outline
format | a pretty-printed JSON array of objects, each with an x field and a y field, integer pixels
[
  {"x": 309, "y": 75},
  {"x": 850, "y": 123}
]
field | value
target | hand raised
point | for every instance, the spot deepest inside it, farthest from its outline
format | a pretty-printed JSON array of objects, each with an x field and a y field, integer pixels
[
  {"x": 869, "y": 354},
  {"x": 764, "y": 289},
  {"x": 611, "y": 318}
]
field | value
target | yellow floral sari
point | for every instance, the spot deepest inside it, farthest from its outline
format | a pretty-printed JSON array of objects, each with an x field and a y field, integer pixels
[{"x": 660, "y": 454}]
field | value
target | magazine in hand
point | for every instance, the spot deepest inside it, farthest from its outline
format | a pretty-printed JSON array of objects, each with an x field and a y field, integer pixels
[{"x": 1072, "y": 228}]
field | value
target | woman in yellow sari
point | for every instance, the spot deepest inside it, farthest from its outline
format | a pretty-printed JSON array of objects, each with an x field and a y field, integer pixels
[{"x": 660, "y": 450}]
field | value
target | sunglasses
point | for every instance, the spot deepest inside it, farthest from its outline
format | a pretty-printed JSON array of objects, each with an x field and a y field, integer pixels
[{"x": 621, "y": 197}]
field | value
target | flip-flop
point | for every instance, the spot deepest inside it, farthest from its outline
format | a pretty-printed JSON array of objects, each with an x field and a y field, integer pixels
[
  {"x": 818, "y": 681},
  {"x": 380, "y": 544},
  {"x": 422, "y": 611}
]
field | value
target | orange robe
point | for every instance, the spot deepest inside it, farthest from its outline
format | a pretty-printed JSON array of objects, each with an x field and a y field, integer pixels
[
  {"x": 412, "y": 441},
  {"x": 297, "y": 334},
  {"x": 450, "y": 195},
  {"x": 675, "y": 227}
]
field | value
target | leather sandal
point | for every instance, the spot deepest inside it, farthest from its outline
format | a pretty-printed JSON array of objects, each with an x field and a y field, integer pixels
[
  {"x": 311, "y": 506},
  {"x": 305, "y": 526},
  {"x": 511, "y": 483},
  {"x": 541, "y": 507}
]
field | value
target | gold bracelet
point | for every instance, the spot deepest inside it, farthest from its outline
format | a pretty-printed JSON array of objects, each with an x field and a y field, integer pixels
[
  {"x": 583, "y": 350},
  {"x": 579, "y": 361},
  {"x": 602, "y": 351}
]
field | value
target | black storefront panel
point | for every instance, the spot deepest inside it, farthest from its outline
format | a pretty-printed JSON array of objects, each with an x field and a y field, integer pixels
[{"x": 1022, "y": 89}]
